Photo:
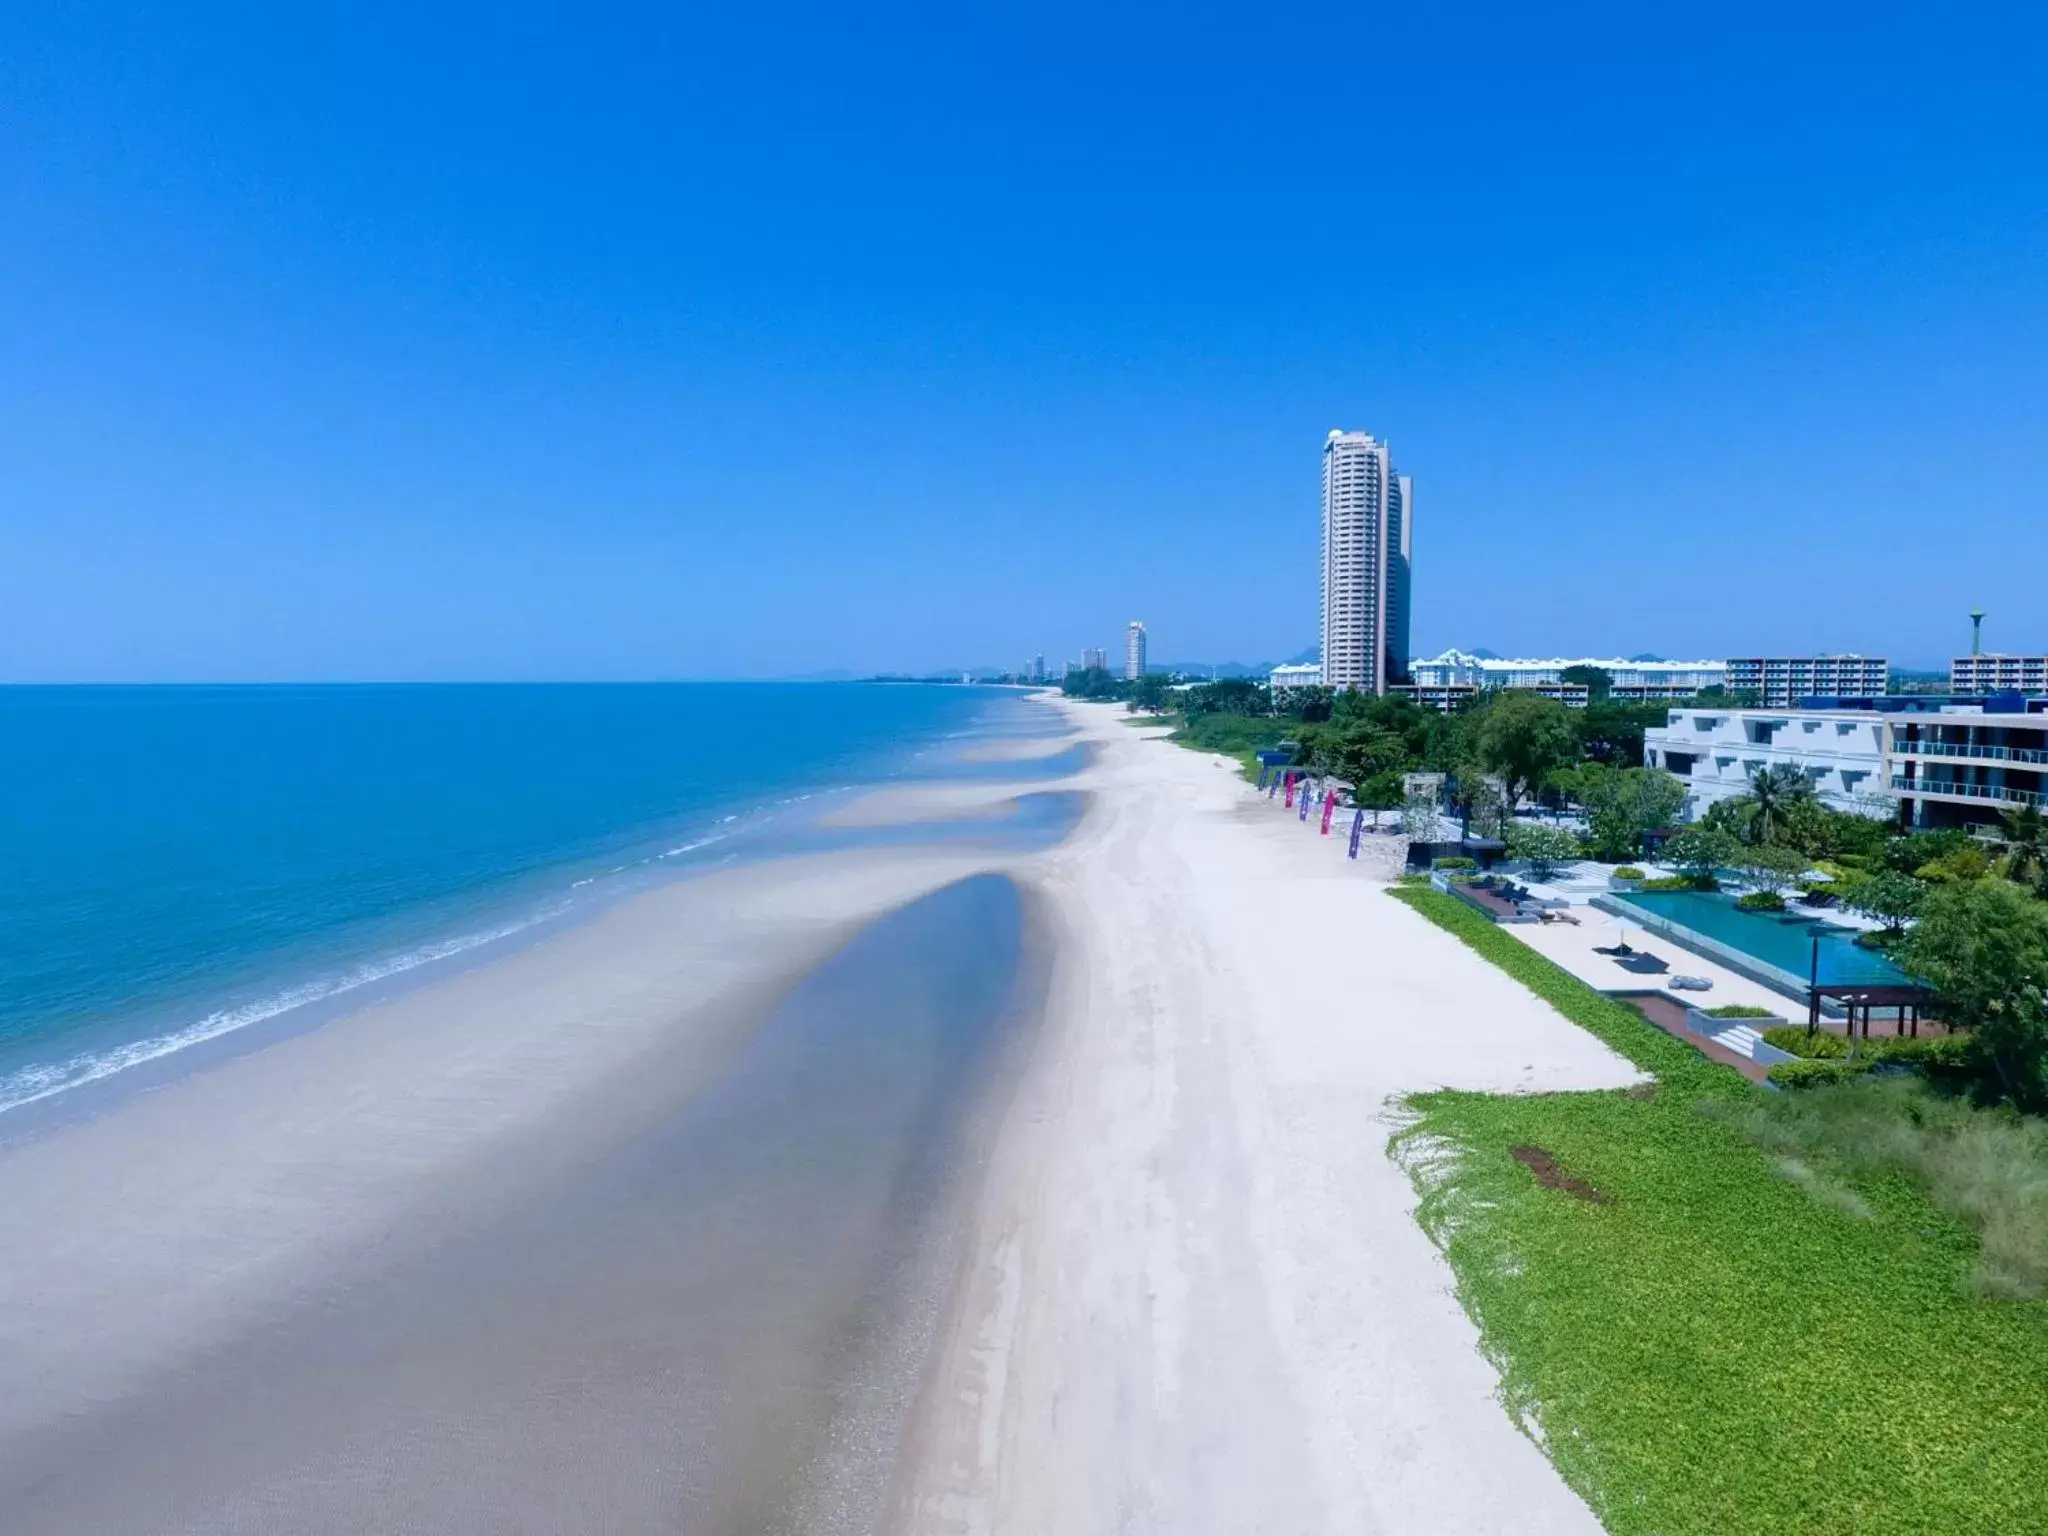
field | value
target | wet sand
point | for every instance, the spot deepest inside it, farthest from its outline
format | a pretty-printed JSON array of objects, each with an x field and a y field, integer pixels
[{"x": 645, "y": 1229}]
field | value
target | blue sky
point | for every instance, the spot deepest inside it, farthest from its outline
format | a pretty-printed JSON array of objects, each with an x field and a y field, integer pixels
[{"x": 631, "y": 341}]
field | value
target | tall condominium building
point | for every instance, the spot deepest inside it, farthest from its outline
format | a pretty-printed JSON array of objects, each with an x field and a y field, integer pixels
[
  {"x": 1998, "y": 674},
  {"x": 1134, "y": 651},
  {"x": 1779, "y": 682},
  {"x": 1368, "y": 543},
  {"x": 1094, "y": 659}
]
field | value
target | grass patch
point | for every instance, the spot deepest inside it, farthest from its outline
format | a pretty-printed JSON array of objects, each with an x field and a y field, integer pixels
[
  {"x": 1238, "y": 736},
  {"x": 1741, "y": 1011},
  {"x": 1986, "y": 1168},
  {"x": 1742, "y": 1338}
]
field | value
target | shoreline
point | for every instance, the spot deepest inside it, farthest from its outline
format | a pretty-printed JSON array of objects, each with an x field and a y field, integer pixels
[
  {"x": 189, "y": 1226},
  {"x": 147, "y": 1044},
  {"x": 1143, "y": 1261}
]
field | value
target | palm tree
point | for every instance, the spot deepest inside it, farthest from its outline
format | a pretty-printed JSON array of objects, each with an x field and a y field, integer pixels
[
  {"x": 1775, "y": 795},
  {"x": 2026, "y": 845}
]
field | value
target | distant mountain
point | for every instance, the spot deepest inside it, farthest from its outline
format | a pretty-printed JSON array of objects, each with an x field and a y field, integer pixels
[
  {"x": 1483, "y": 653},
  {"x": 1303, "y": 658},
  {"x": 1646, "y": 656}
]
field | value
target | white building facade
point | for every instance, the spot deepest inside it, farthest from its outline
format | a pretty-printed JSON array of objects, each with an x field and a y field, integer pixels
[
  {"x": 1717, "y": 751},
  {"x": 1134, "y": 651},
  {"x": 1367, "y": 563},
  {"x": 1998, "y": 674},
  {"x": 1308, "y": 674},
  {"x": 1639, "y": 680},
  {"x": 1780, "y": 682}
]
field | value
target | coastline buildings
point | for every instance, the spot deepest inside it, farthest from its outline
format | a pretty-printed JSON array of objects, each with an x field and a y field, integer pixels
[
  {"x": 1998, "y": 674},
  {"x": 1367, "y": 565},
  {"x": 1442, "y": 680},
  {"x": 1094, "y": 659},
  {"x": 1779, "y": 682},
  {"x": 1134, "y": 651},
  {"x": 1295, "y": 675},
  {"x": 1928, "y": 761}
]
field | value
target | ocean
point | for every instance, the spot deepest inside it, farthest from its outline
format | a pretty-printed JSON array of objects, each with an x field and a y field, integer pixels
[{"x": 177, "y": 863}]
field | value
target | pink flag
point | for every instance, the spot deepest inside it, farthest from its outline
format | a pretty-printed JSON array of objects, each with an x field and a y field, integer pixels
[{"x": 1329, "y": 808}]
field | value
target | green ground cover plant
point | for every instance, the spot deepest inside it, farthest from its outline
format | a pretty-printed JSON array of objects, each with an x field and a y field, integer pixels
[
  {"x": 1740, "y": 1011},
  {"x": 1735, "y": 1338}
]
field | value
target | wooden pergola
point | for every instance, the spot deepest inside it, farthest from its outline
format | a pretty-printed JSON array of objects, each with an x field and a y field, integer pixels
[{"x": 1857, "y": 999}]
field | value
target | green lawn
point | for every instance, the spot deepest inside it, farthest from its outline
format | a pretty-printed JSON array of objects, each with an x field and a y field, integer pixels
[{"x": 1712, "y": 1349}]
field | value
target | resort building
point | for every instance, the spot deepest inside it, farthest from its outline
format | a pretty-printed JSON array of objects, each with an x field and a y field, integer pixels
[
  {"x": 1448, "y": 696},
  {"x": 1929, "y": 762},
  {"x": 1308, "y": 674},
  {"x": 1368, "y": 546},
  {"x": 1965, "y": 765},
  {"x": 1634, "y": 680},
  {"x": 1134, "y": 651},
  {"x": 1779, "y": 682},
  {"x": 1998, "y": 674},
  {"x": 1094, "y": 659},
  {"x": 1717, "y": 750}
]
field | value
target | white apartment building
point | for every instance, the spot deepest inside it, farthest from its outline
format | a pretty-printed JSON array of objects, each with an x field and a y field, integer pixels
[
  {"x": 1937, "y": 765},
  {"x": 1980, "y": 675},
  {"x": 1134, "y": 651},
  {"x": 1307, "y": 674},
  {"x": 1716, "y": 751},
  {"x": 1094, "y": 658},
  {"x": 1637, "y": 680},
  {"x": 1780, "y": 682},
  {"x": 1368, "y": 561}
]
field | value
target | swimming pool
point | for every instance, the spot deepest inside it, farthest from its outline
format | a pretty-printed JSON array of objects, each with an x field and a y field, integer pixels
[{"x": 1780, "y": 949}]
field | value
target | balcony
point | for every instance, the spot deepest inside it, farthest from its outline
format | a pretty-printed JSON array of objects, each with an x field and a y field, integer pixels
[
  {"x": 1953, "y": 790},
  {"x": 1968, "y": 749}
]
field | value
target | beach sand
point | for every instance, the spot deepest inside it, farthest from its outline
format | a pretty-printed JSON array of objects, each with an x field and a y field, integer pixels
[
  {"x": 1198, "y": 1300},
  {"x": 748, "y": 1206}
]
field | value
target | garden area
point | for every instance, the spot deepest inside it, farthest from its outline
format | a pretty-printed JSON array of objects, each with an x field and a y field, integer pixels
[{"x": 1721, "y": 1309}]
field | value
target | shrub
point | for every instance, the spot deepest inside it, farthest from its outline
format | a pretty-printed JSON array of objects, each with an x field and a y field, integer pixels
[
  {"x": 1629, "y": 872},
  {"x": 1761, "y": 901},
  {"x": 1682, "y": 883},
  {"x": 1740, "y": 1011},
  {"x": 1542, "y": 847},
  {"x": 1814, "y": 1045},
  {"x": 1809, "y": 1073},
  {"x": 1454, "y": 862}
]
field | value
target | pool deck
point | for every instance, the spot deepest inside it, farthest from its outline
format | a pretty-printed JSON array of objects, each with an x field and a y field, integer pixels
[{"x": 1575, "y": 949}]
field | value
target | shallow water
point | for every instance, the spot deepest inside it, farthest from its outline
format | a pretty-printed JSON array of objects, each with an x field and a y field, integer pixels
[
  {"x": 714, "y": 1323},
  {"x": 177, "y": 864}
]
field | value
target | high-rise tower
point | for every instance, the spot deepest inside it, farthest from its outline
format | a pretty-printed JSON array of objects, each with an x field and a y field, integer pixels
[
  {"x": 1368, "y": 558},
  {"x": 1134, "y": 651}
]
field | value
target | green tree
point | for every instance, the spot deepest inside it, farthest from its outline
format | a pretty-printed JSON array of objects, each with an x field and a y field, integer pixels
[
  {"x": 2026, "y": 846},
  {"x": 1886, "y": 897},
  {"x": 1777, "y": 795},
  {"x": 1521, "y": 738},
  {"x": 1598, "y": 681},
  {"x": 1151, "y": 693},
  {"x": 1623, "y": 804},
  {"x": 1700, "y": 853},
  {"x": 1385, "y": 791},
  {"x": 1541, "y": 846},
  {"x": 1611, "y": 731},
  {"x": 1770, "y": 867},
  {"x": 1983, "y": 948}
]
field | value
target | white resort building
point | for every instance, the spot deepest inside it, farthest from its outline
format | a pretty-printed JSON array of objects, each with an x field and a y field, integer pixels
[
  {"x": 1937, "y": 764},
  {"x": 1368, "y": 544},
  {"x": 1443, "y": 680},
  {"x": 1290, "y": 675},
  {"x": 1134, "y": 651}
]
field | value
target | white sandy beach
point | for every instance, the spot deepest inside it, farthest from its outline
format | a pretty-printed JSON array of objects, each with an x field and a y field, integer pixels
[
  {"x": 1190, "y": 1293},
  {"x": 1198, "y": 1300}
]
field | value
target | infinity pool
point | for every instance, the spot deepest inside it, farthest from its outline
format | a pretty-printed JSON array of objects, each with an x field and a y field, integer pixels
[{"x": 1783, "y": 942}]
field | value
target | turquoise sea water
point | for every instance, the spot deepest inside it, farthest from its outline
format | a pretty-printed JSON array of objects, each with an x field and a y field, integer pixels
[
  {"x": 178, "y": 862},
  {"x": 1785, "y": 941}
]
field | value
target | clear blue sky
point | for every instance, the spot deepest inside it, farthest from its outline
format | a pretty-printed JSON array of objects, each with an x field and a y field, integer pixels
[{"x": 626, "y": 341}]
